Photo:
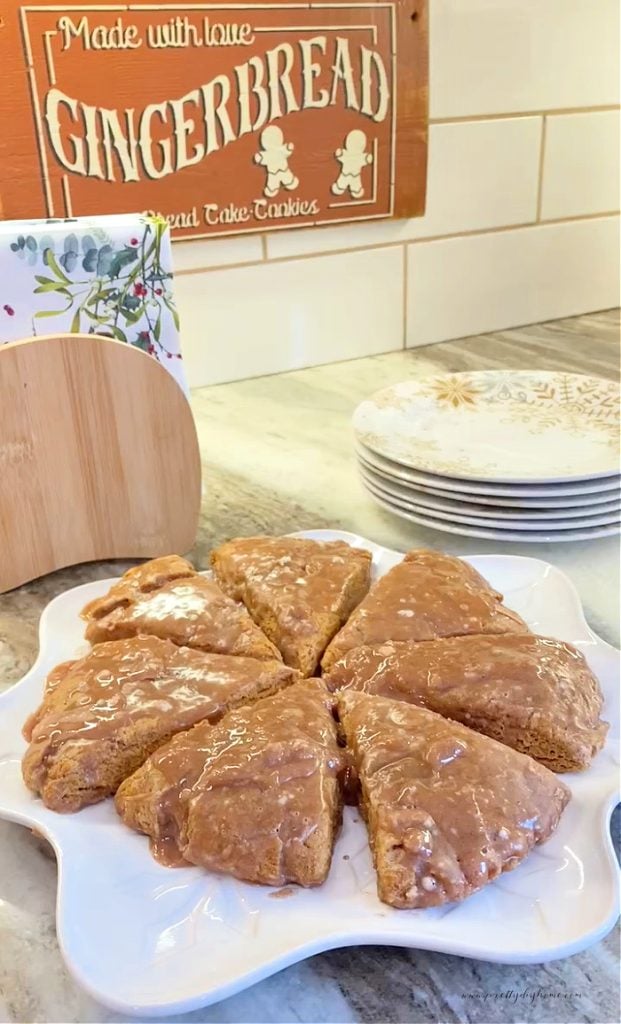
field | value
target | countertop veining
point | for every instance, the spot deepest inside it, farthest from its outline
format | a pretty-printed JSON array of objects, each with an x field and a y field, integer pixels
[{"x": 277, "y": 457}]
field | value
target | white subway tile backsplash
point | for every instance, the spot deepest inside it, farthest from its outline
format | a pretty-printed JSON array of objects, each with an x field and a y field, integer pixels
[
  {"x": 216, "y": 252},
  {"x": 249, "y": 321},
  {"x": 482, "y": 174},
  {"x": 581, "y": 172},
  {"x": 345, "y": 236},
  {"x": 496, "y": 66},
  {"x": 462, "y": 286},
  {"x": 501, "y": 56}
]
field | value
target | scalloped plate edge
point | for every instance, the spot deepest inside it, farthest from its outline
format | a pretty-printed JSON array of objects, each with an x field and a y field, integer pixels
[{"x": 385, "y": 934}]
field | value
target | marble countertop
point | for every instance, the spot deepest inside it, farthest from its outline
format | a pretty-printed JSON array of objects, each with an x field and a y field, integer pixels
[{"x": 277, "y": 457}]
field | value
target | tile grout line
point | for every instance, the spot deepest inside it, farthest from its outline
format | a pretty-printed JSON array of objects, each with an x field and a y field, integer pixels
[
  {"x": 365, "y": 247},
  {"x": 580, "y": 216},
  {"x": 458, "y": 340},
  {"x": 542, "y": 158},
  {"x": 405, "y": 295},
  {"x": 512, "y": 115}
]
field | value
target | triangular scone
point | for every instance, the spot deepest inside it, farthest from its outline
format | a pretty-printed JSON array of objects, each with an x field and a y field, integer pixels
[
  {"x": 447, "y": 809},
  {"x": 111, "y": 709},
  {"x": 300, "y": 592},
  {"x": 426, "y": 596},
  {"x": 535, "y": 694},
  {"x": 256, "y": 796},
  {"x": 168, "y": 599}
]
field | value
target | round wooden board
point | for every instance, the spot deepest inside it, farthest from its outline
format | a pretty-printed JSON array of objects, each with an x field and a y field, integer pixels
[{"x": 98, "y": 456}]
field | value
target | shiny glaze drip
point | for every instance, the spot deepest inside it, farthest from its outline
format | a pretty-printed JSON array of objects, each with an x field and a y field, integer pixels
[
  {"x": 183, "y": 606},
  {"x": 540, "y": 689},
  {"x": 426, "y": 596},
  {"x": 237, "y": 796},
  {"x": 54, "y": 679},
  {"x": 140, "y": 580},
  {"x": 301, "y": 583},
  {"x": 453, "y": 808},
  {"x": 122, "y": 685}
]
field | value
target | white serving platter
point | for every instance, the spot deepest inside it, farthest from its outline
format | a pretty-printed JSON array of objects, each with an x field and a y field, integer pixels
[
  {"x": 516, "y": 426},
  {"x": 147, "y": 940}
]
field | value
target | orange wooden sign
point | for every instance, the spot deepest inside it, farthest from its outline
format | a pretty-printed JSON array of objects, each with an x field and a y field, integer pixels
[{"x": 224, "y": 118}]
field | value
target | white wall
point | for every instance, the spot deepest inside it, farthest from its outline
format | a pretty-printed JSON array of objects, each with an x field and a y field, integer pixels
[{"x": 522, "y": 215}]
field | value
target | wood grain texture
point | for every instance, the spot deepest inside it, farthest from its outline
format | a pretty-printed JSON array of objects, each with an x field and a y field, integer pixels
[
  {"x": 412, "y": 111},
  {"x": 98, "y": 456},
  {"x": 82, "y": 81}
]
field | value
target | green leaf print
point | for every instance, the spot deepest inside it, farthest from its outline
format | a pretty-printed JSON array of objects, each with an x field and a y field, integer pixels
[
  {"x": 104, "y": 260},
  {"x": 131, "y": 318},
  {"x": 95, "y": 317},
  {"x": 69, "y": 260},
  {"x": 122, "y": 259},
  {"x": 89, "y": 263},
  {"x": 49, "y": 312},
  {"x": 50, "y": 260},
  {"x": 105, "y": 287},
  {"x": 170, "y": 306},
  {"x": 53, "y": 286}
]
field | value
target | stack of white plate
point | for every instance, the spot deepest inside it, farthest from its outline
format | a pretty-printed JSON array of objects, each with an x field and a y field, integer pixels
[{"x": 507, "y": 455}]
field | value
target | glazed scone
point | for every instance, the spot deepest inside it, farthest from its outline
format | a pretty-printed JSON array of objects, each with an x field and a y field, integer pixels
[
  {"x": 535, "y": 694},
  {"x": 168, "y": 599},
  {"x": 426, "y": 596},
  {"x": 256, "y": 796},
  {"x": 447, "y": 810},
  {"x": 56, "y": 676},
  {"x": 300, "y": 592},
  {"x": 112, "y": 708}
]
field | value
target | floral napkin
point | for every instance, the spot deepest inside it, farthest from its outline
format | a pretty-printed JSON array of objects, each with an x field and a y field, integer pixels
[{"x": 110, "y": 276}]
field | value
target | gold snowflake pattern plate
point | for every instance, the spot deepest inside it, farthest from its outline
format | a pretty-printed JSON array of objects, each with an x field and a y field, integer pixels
[
  {"x": 512, "y": 426},
  {"x": 548, "y": 535}
]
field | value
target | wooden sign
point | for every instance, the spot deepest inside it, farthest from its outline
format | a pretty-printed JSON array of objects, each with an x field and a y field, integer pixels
[{"x": 224, "y": 118}]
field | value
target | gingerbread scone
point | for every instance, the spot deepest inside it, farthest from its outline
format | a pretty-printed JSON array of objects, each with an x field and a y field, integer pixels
[
  {"x": 447, "y": 810},
  {"x": 300, "y": 592},
  {"x": 535, "y": 694},
  {"x": 112, "y": 708},
  {"x": 426, "y": 596},
  {"x": 256, "y": 796},
  {"x": 168, "y": 599}
]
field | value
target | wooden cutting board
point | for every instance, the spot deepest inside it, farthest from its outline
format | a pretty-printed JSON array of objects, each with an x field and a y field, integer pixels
[{"x": 98, "y": 456}]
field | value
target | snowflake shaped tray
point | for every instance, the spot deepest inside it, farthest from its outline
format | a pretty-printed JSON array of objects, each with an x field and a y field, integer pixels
[{"x": 144, "y": 939}]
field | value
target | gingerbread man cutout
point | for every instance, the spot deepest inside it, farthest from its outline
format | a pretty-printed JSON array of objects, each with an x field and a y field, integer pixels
[
  {"x": 274, "y": 156},
  {"x": 352, "y": 158}
]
